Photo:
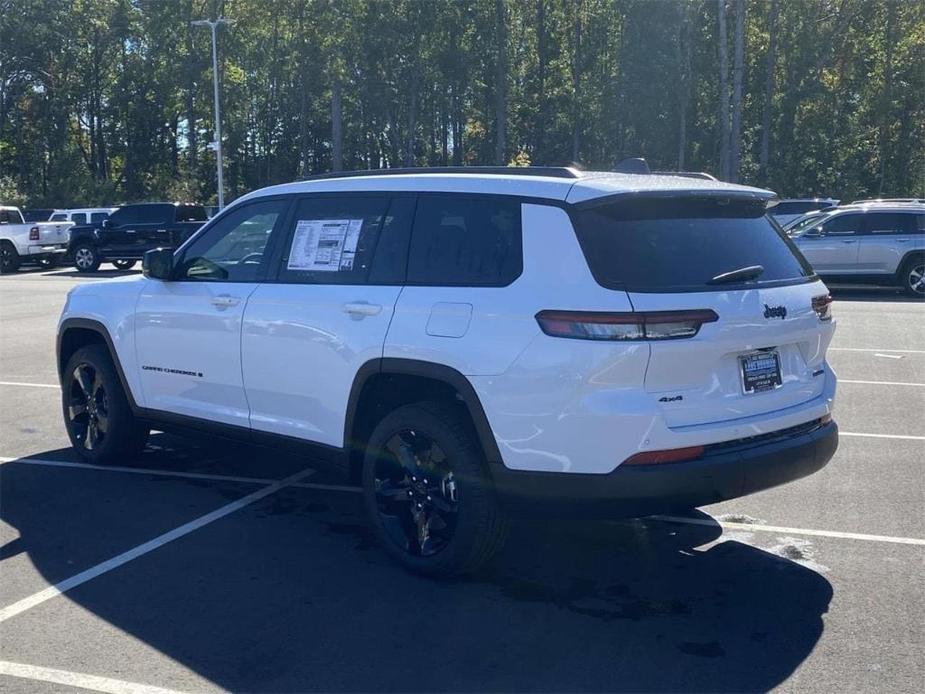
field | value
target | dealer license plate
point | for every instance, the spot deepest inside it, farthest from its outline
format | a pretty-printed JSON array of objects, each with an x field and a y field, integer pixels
[{"x": 760, "y": 371}]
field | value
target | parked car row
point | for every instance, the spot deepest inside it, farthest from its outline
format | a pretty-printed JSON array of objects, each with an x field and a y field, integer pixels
[
  {"x": 87, "y": 237},
  {"x": 871, "y": 242},
  {"x": 878, "y": 241}
]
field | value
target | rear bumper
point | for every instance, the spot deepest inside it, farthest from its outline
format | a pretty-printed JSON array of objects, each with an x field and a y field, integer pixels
[
  {"x": 39, "y": 251},
  {"x": 726, "y": 471}
]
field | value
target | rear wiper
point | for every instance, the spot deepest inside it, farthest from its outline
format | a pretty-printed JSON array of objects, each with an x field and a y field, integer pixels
[{"x": 740, "y": 275}]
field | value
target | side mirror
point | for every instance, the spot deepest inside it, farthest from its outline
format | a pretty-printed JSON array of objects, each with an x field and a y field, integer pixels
[
  {"x": 157, "y": 264},
  {"x": 107, "y": 223}
]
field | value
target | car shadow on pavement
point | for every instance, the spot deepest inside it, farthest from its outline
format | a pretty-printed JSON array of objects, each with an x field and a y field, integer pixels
[
  {"x": 293, "y": 594},
  {"x": 101, "y": 273}
]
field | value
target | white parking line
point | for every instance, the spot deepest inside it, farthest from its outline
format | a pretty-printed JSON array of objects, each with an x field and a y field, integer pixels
[
  {"x": 149, "y": 546},
  {"x": 904, "y": 437},
  {"x": 77, "y": 679},
  {"x": 791, "y": 531},
  {"x": 865, "y": 349},
  {"x": 139, "y": 470},
  {"x": 883, "y": 383},
  {"x": 29, "y": 385},
  {"x": 175, "y": 473}
]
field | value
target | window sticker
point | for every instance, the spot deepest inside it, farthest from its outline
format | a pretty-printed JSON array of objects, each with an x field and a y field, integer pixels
[{"x": 324, "y": 245}]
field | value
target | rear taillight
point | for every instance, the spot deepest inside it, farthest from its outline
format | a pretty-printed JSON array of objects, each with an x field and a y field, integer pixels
[
  {"x": 648, "y": 325},
  {"x": 674, "y": 455},
  {"x": 34, "y": 234},
  {"x": 822, "y": 305}
]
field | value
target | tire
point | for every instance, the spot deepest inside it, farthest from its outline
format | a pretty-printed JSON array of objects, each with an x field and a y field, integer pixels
[
  {"x": 87, "y": 258},
  {"x": 463, "y": 522},
  {"x": 9, "y": 258},
  {"x": 124, "y": 264},
  {"x": 119, "y": 437},
  {"x": 912, "y": 277}
]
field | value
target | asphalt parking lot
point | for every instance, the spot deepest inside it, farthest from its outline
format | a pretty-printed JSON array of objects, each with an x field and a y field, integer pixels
[{"x": 208, "y": 567}]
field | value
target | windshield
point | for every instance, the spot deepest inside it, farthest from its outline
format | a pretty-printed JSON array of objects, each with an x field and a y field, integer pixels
[{"x": 805, "y": 223}]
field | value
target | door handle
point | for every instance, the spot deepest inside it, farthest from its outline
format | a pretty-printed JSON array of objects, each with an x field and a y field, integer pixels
[
  {"x": 129, "y": 231},
  {"x": 161, "y": 231},
  {"x": 362, "y": 308},
  {"x": 902, "y": 240},
  {"x": 225, "y": 301},
  {"x": 849, "y": 241}
]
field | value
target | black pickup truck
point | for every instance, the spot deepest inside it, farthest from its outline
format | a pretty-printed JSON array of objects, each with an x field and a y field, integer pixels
[{"x": 130, "y": 231}]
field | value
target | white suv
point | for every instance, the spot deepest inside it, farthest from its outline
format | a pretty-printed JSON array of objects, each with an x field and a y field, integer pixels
[{"x": 467, "y": 342}]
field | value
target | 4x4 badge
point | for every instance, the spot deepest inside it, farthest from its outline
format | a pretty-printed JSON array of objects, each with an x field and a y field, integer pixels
[{"x": 775, "y": 312}]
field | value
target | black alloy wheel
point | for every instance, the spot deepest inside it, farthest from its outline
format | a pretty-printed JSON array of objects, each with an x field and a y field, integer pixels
[
  {"x": 88, "y": 407},
  {"x": 416, "y": 494}
]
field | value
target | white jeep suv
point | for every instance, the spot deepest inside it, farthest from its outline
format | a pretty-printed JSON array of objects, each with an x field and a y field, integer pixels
[{"x": 468, "y": 342}]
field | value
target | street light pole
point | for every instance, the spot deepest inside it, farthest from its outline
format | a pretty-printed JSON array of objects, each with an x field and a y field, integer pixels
[{"x": 217, "y": 144}]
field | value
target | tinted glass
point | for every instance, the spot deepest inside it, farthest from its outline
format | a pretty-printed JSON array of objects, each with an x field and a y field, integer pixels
[
  {"x": 79, "y": 218},
  {"x": 97, "y": 217},
  {"x": 191, "y": 213},
  {"x": 233, "y": 249},
  {"x": 154, "y": 214},
  {"x": 125, "y": 215},
  {"x": 891, "y": 223},
  {"x": 463, "y": 240},
  {"x": 37, "y": 215},
  {"x": 659, "y": 245},
  {"x": 844, "y": 225},
  {"x": 332, "y": 240},
  {"x": 795, "y": 207}
]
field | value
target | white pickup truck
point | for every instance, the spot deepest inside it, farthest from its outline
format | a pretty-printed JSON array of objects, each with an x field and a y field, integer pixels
[{"x": 44, "y": 243}]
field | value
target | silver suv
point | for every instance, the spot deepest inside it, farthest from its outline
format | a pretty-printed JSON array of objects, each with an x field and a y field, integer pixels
[{"x": 876, "y": 243}]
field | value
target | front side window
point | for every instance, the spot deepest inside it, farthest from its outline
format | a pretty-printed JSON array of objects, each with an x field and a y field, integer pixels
[
  {"x": 98, "y": 217},
  {"x": 332, "y": 240},
  {"x": 124, "y": 215},
  {"x": 465, "y": 241},
  {"x": 844, "y": 225},
  {"x": 665, "y": 245},
  {"x": 234, "y": 248},
  {"x": 79, "y": 218}
]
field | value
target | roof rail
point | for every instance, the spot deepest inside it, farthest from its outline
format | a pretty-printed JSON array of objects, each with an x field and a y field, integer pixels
[{"x": 547, "y": 171}]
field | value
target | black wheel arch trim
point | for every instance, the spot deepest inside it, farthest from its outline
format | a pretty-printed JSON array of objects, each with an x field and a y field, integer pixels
[
  {"x": 425, "y": 369},
  {"x": 99, "y": 328}
]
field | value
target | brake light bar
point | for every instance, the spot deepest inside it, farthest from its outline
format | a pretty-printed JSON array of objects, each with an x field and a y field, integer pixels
[
  {"x": 34, "y": 234},
  {"x": 623, "y": 326},
  {"x": 822, "y": 305}
]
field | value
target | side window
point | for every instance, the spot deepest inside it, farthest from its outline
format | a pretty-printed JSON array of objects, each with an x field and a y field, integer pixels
[
  {"x": 97, "y": 217},
  {"x": 79, "y": 218},
  {"x": 232, "y": 250},
  {"x": 332, "y": 240},
  {"x": 844, "y": 225},
  {"x": 464, "y": 240},
  {"x": 891, "y": 223},
  {"x": 124, "y": 215},
  {"x": 919, "y": 224},
  {"x": 5, "y": 217},
  {"x": 154, "y": 214}
]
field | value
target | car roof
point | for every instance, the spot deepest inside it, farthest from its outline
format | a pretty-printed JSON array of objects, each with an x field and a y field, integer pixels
[
  {"x": 584, "y": 186},
  {"x": 880, "y": 207}
]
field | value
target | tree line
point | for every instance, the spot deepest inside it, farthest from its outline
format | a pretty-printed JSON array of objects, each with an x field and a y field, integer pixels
[{"x": 108, "y": 101}]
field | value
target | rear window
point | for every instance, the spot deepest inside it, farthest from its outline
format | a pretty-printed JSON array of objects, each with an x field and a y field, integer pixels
[
  {"x": 191, "y": 213},
  {"x": 465, "y": 241},
  {"x": 659, "y": 245}
]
